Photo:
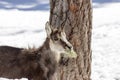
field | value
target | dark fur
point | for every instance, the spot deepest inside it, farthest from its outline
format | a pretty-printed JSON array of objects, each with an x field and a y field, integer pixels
[{"x": 38, "y": 64}]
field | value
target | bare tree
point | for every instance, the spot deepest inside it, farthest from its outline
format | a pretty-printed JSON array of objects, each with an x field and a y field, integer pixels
[{"x": 76, "y": 17}]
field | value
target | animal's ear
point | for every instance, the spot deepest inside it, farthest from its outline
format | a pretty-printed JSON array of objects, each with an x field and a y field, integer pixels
[{"x": 48, "y": 29}]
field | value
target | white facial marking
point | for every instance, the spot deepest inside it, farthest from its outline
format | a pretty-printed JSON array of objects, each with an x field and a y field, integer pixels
[
  {"x": 57, "y": 49},
  {"x": 63, "y": 37}
]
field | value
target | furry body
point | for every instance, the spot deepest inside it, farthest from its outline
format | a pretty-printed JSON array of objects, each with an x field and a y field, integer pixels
[{"x": 39, "y": 64}]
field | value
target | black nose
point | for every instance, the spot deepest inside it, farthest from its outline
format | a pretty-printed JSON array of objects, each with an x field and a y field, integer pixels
[{"x": 69, "y": 47}]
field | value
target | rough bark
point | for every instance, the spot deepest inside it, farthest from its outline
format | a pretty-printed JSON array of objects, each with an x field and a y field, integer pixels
[{"x": 76, "y": 16}]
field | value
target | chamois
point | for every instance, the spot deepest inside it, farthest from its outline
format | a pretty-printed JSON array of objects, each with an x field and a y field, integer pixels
[{"x": 36, "y": 64}]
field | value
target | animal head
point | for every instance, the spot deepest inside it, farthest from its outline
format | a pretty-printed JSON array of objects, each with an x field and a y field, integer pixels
[{"x": 58, "y": 42}]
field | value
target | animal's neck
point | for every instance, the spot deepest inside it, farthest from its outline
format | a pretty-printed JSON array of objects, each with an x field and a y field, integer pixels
[{"x": 45, "y": 49}]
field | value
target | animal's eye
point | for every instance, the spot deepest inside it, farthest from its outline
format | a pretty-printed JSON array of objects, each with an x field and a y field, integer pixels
[{"x": 55, "y": 38}]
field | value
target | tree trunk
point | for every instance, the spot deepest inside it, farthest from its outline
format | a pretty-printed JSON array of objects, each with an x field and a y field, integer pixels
[{"x": 76, "y": 16}]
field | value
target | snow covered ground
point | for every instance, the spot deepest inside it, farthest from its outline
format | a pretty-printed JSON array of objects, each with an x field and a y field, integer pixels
[
  {"x": 105, "y": 42},
  {"x": 26, "y": 28},
  {"x": 22, "y": 28}
]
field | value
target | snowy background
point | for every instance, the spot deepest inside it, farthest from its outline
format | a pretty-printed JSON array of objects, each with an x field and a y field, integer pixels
[{"x": 22, "y": 25}]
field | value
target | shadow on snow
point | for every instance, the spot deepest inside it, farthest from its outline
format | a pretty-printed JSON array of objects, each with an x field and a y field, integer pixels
[
  {"x": 105, "y": 1},
  {"x": 26, "y": 5},
  {"x": 30, "y": 5},
  {"x": 101, "y": 3}
]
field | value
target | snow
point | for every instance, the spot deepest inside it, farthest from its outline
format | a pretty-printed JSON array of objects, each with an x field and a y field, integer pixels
[
  {"x": 105, "y": 42},
  {"x": 22, "y": 28}
]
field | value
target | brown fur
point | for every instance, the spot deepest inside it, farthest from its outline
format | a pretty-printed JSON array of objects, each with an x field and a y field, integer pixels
[{"x": 39, "y": 64}]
